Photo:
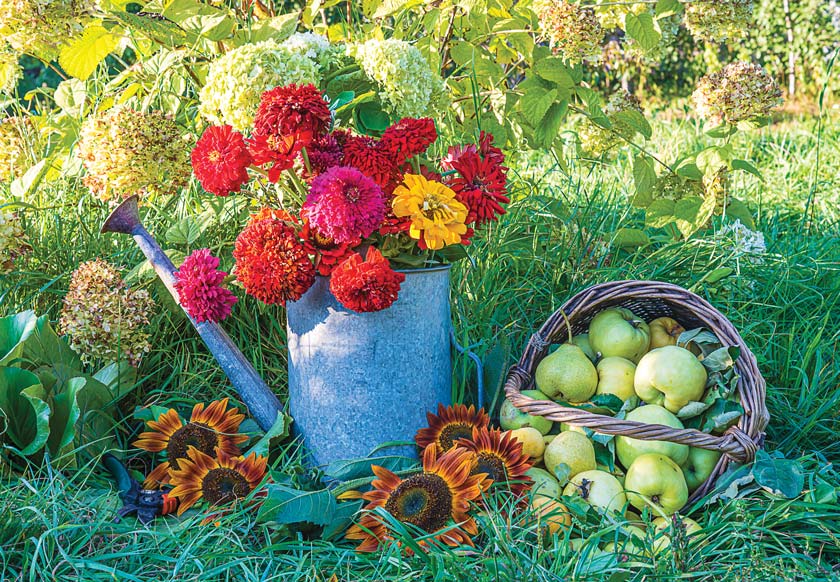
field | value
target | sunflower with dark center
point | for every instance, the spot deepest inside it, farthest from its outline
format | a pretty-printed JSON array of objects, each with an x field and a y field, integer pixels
[
  {"x": 211, "y": 428},
  {"x": 219, "y": 480},
  {"x": 450, "y": 424},
  {"x": 499, "y": 455},
  {"x": 436, "y": 499}
]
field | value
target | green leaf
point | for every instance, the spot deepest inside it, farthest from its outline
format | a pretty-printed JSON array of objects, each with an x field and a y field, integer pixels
[
  {"x": 342, "y": 518},
  {"x": 644, "y": 178},
  {"x": 285, "y": 505},
  {"x": 660, "y": 213},
  {"x": 711, "y": 159},
  {"x": 716, "y": 275},
  {"x": 548, "y": 129},
  {"x": 371, "y": 119},
  {"x": 688, "y": 169},
  {"x": 159, "y": 30},
  {"x": 24, "y": 412},
  {"x": 562, "y": 472},
  {"x": 630, "y": 238},
  {"x": 148, "y": 413},
  {"x": 279, "y": 430},
  {"x": 777, "y": 475},
  {"x": 553, "y": 69},
  {"x": 14, "y": 331},
  {"x": 642, "y": 28},
  {"x": 721, "y": 359},
  {"x": 119, "y": 377},
  {"x": 359, "y": 468},
  {"x": 184, "y": 232},
  {"x": 81, "y": 56},
  {"x": 27, "y": 184},
  {"x": 692, "y": 213},
  {"x": 722, "y": 131},
  {"x": 737, "y": 210},
  {"x": 746, "y": 166},
  {"x": 278, "y": 27},
  {"x": 665, "y": 8},
  {"x": 636, "y": 120},
  {"x": 535, "y": 104},
  {"x": 45, "y": 347},
  {"x": 201, "y": 19},
  {"x": 65, "y": 414},
  {"x": 70, "y": 96},
  {"x": 733, "y": 484}
]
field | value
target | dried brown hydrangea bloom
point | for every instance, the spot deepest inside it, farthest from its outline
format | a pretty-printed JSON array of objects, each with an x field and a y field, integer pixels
[
  {"x": 572, "y": 30},
  {"x": 14, "y": 161},
  {"x": 718, "y": 20},
  {"x": 739, "y": 92},
  {"x": 103, "y": 318},
  {"x": 40, "y": 27},
  {"x": 13, "y": 241},
  {"x": 596, "y": 140},
  {"x": 131, "y": 152}
]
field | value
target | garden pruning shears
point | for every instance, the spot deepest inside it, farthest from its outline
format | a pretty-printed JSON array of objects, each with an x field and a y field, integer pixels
[{"x": 146, "y": 503}]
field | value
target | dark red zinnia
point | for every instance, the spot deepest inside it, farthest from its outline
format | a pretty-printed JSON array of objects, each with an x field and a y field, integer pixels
[
  {"x": 409, "y": 137},
  {"x": 489, "y": 151},
  {"x": 366, "y": 285},
  {"x": 481, "y": 186},
  {"x": 369, "y": 156},
  {"x": 199, "y": 285},
  {"x": 272, "y": 263},
  {"x": 220, "y": 160},
  {"x": 322, "y": 154}
]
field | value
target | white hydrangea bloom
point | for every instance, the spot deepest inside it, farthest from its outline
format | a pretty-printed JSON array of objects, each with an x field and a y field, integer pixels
[
  {"x": 237, "y": 80},
  {"x": 408, "y": 85},
  {"x": 312, "y": 46},
  {"x": 743, "y": 242}
]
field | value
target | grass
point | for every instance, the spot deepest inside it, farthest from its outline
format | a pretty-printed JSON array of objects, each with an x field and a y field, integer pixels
[{"x": 553, "y": 243}]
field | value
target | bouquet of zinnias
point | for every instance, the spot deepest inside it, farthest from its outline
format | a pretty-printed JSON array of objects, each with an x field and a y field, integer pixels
[{"x": 358, "y": 203}]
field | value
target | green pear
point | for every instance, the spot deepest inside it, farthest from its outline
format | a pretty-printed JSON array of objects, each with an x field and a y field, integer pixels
[
  {"x": 599, "y": 489},
  {"x": 615, "y": 376},
  {"x": 511, "y": 418},
  {"x": 655, "y": 481},
  {"x": 698, "y": 466},
  {"x": 628, "y": 448},
  {"x": 582, "y": 341},
  {"x": 567, "y": 375},
  {"x": 617, "y": 331},
  {"x": 664, "y": 529},
  {"x": 544, "y": 483},
  {"x": 670, "y": 376},
  {"x": 573, "y": 449}
]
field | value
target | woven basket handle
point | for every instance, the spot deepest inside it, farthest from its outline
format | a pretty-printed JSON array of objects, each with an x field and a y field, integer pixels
[{"x": 735, "y": 443}]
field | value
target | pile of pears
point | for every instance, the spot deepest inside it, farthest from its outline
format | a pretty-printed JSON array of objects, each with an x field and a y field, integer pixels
[{"x": 626, "y": 357}]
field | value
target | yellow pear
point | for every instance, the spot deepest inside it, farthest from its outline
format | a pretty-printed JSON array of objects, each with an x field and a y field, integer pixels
[
  {"x": 573, "y": 449},
  {"x": 550, "y": 514},
  {"x": 615, "y": 376},
  {"x": 664, "y": 331},
  {"x": 532, "y": 441}
]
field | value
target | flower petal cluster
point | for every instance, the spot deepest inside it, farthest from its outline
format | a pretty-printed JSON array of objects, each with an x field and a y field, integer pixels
[
  {"x": 199, "y": 285},
  {"x": 130, "y": 152},
  {"x": 220, "y": 160},
  {"x": 13, "y": 241},
  {"x": 315, "y": 47},
  {"x": 718, "y": 20},
  {"x": 103, "y": 318},
  {"x": 327, "y": 253},
  {"x": 408, "y": 86},
  {"x": 10, "y": 69},
  {"x": 572, "y": 30},
  {"x": 40, "y": 27},
  {"x": 271, "y": 262},
  {"x": 450, "y": 424},
  {"x": 739, "y": 92},
  {"x": 344, "y": 204},
  {"x": 237, "y": 80},
  {"x": 743, "y": 241},
  {"x": 366, "y": 285},
  {"x": 480, "y": 181},
  {"x": 437, "y": 218},
  {"x": 409, "y": 137},
  {"x": 596, "y": 140}
]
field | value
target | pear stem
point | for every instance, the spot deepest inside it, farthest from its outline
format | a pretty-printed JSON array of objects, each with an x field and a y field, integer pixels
[{"x": 568, "y": 325}]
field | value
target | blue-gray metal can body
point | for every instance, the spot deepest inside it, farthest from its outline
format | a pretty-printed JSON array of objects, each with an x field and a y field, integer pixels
[{"x": 358, "y": 380}]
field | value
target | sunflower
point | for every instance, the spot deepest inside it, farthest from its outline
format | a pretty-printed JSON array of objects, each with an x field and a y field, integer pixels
[
  {"x": 499, "y": 455},
  {"x": 450, "y": 424},
  {"x": 437, "y": 217},
  {"x": 430, "y": 500},
  {"x": 219, "y": 480},
  {"x": 208, "y": 429}
]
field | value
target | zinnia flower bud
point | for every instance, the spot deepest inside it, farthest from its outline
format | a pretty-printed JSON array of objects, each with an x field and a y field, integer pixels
[
  {"x": 103, "y": 318},
  {"x": 740, "y": 92},
  {"x": 572, "y": 30},
  {"x": 129, "y": 152}
]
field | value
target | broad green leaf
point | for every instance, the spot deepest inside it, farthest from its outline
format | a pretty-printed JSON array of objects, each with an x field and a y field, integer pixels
[
  {"x": 552, "y": 69},
  {"x": 184, "y": 232},
  {"x": 147, "y": 413},
  {"x": 692, "y": 213},
  {"x": 644, "y": 178},
  {"x": 358, "y": 468},
  {"x": 45, "y": 347},
  {"x": 119, "y": 377},
  {"x": 630, "y": 238},
  {"x": 82, "y": 55},
  {"x": 779, "y": 476},
  {"x": 562, "y": 472},
  {"x": 371, "y": 119},
  {"x": 642, "y": 29},
  {"x": 65, "y": 414},
  {"x": 665, "y": 8},
  {"x": 279, "y": 430},
  {"x": 746, "y": 166},
  {"x": 28, "y": 183},
  {"x": 285, "y": 505},
  {"x": 14, "y": 331},
  {"x": 711, "y": 159},
  {"x": 495, "y": 364},
  {"x": 387, "y": 8},
  {"x": 734, "y": 483},
  {"x": 70, "y": 95},
  {"x": 721, "y": 359},
  {"x": 660, "y": 213},
  {"x": 159, "y": 30},
  {"x": 716, "y": 275},
  {"x": 546, "y": 132},
  {"x": 342, "y": 518},
  {"x": 688, "y": 169},
  {"x": 24, "y": 412},
  {"x": 737, "y": 210},
  {"x": 278, "y": 27},
  {"x": 636, "y": 120},
  {"x": 535, "y": 104},
  {"x": 209, "y": 22}
]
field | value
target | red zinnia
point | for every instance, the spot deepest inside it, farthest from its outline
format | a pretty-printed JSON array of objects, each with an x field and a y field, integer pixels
[
  {"x": 369, "y": 285},
  {"x": 199, "y": 285},
  {"x": 271, "y": 262},
  {"x": 409, "y": 137},
  {"x": 279, "y": 151},
  {"x": 481, "y": 186},
  {"x": 489, "y": 151},
  {"x": 372, "y": 159},
  {"x": 328, "y": 253},
  {"x": 220, "y": 160}
]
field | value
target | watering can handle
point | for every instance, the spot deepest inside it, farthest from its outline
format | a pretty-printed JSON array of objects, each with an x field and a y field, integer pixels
[{"x": 479, "y": 367}]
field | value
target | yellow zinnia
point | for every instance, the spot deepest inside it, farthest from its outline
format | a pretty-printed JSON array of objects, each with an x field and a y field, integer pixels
[{"x": 437, "y": 218}]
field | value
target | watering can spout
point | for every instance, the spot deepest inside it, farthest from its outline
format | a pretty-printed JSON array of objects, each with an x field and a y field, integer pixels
[
  {"x": 124, "y": 219},
  {"x": 262, "y": 403}
]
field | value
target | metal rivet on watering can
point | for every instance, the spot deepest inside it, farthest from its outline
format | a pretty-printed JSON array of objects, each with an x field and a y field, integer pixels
[{"x": 357, "y": 380}]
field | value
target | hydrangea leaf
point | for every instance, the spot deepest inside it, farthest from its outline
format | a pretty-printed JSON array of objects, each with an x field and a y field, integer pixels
[
  {"x": 81, "y": 57},
  {"x": 642, "y": 29}
]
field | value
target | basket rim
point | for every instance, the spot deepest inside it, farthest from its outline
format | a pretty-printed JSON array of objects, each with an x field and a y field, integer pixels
[{"x": 739, "y": 443}]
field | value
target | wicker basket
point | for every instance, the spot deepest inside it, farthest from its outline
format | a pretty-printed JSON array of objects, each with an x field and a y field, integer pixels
[{"x": 648, "y": 300}]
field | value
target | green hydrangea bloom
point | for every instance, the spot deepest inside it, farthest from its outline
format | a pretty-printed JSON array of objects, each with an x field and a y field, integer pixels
[
  {"x": 130, "y": 152},
  {"x": 13, "y": 147},
  {"x": 237, "y": 80},
  {"x": 407, "y": 84},
  {"x": 103, "y": 318},
  {"x": 573, "y": 31},
  {"x": 40, "y": 27},
  {"x": 596, "y": 140},
  {"x": 739, "y": 92},
  {"x": 718, "y": 20},
  {"x": 316, "y": 47}
]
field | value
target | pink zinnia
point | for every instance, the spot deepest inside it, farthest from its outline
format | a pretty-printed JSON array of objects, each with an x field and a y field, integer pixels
[
  {"x": 344, "y": 204},
  {"x": 199, "y": 286}
]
